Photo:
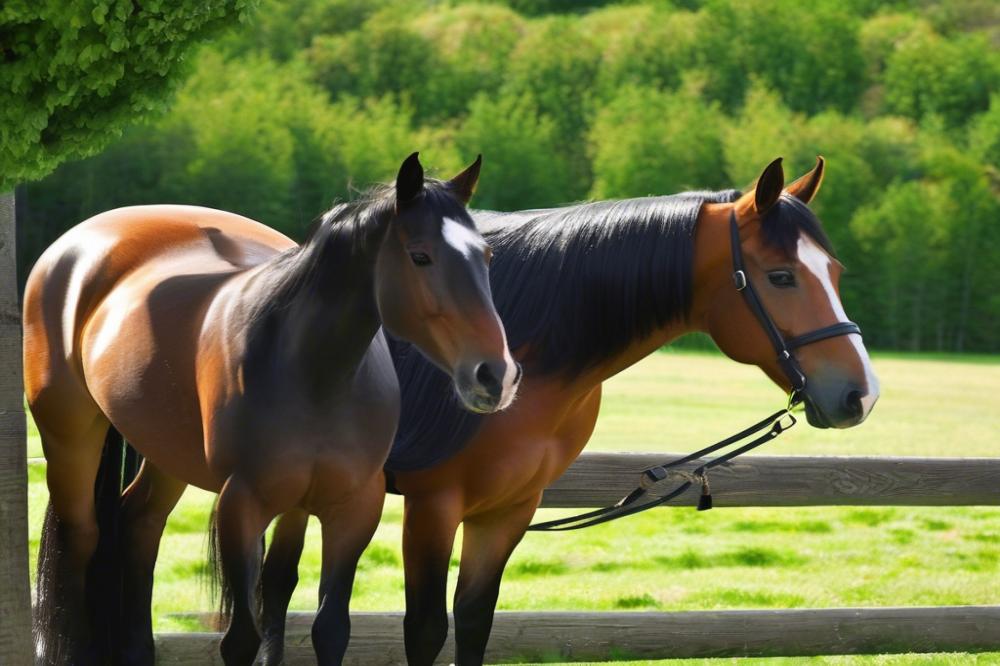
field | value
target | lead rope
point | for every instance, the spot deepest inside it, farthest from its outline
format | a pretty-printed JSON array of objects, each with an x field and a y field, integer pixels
[{"x": 779, "y": 422}]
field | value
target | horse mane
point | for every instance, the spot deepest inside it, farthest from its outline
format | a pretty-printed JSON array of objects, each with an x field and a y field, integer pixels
[
  {"x": 573, "y": 286},
  {"x": 782, "y": 223},
  {"x": 345, "y": 238}
]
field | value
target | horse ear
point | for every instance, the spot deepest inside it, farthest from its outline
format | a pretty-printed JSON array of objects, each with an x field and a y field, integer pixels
[
  {"x": 410, "y": 179},
  {"x": 464, "y": 184},
  {"x": 769, "y": 186},
  {"x": 806, "y": 187}
]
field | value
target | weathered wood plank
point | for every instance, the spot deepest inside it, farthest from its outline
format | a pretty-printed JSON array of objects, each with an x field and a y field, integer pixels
[
  {"x": 15, "y": 599},
  {"x": 600, "y": 479},
  {"x": 377, "y": 637}
]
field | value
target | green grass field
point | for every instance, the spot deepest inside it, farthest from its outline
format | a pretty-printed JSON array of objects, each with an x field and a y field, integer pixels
[{"x": 679, "y": 559}]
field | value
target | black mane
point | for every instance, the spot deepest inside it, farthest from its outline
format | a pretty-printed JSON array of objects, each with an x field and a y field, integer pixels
[
  {"x": 345, "y": 239},
  {"x": 786, "y": 219},
  {"x": 576, "y": 285}
]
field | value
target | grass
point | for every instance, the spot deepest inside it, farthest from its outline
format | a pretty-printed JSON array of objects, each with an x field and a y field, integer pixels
[{"x": 678, "y": 559}]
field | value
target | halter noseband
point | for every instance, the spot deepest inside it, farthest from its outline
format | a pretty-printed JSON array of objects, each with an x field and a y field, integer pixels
[{"x": 783, "y": 347}]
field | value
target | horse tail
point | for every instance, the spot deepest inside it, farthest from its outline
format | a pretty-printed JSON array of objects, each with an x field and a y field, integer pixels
[
  {"x": 56, "y": 630},
  {"x": 219, "y": 584},
  {"x": 49, "y": 626},
  {"x": 104, "y": 576}
]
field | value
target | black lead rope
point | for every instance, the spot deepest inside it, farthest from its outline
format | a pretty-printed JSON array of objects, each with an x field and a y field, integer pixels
[
  {"x": 776, "y": 423},
  {"x": 779, "y": 422}
]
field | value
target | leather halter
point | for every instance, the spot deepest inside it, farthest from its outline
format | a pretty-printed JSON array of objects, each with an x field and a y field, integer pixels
[
  {"x": 779, "y": 421},
  {"x": 782, "y": 347}
]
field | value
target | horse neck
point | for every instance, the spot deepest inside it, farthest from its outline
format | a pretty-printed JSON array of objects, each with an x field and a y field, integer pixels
[
  {"x": 325, "y": 315},
  {"x": 710, "y": 272},
  {"x": 713, "y": 261}
]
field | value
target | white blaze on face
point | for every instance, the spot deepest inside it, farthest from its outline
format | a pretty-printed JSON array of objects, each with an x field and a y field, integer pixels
[
  {"x": 470, "y": 244},
  {"x": 510, "y": 378},
  {"x": 817, "y": 262},
  {"x": 462, "y": 238}
]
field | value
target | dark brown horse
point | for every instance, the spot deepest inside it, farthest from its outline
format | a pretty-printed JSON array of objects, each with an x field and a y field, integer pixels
[
  {"x": 585, "y": 292},
  {"x": 236, "y": 361}
]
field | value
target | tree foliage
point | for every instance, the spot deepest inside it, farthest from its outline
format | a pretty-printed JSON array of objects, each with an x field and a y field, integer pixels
[
  {"x": 315, "y": 99},
  {"x": 75, "y": 73}
]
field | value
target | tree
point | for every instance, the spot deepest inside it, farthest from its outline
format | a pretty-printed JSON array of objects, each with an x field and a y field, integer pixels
[
  {"x": 907, "y": 230},
  {"x": 385, "y": 57},
  {"x": 648, "y": 142},
  {"x": 473, "y": 44},
  {"x": 556, "y": 66},
  {"x": 809, "y": 54},
  {"x": 764, "y": 129},
  {"x": 953, "y": 78},
  {"x": 524, "y": 164},
  {"x": 642, "y": 45},
  {"x": 74, "y": 74}
]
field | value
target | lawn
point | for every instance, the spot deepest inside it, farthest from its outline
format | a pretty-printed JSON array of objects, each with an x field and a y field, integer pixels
[{"x": 678, "y": 559}]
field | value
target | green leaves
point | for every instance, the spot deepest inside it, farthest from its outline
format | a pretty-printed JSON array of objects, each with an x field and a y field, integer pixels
[
  {"x": 313, "y": 99},
  {"x": 522, "y": 164},
  {"x": 76, "y": 73},
  {"x": 647, "y": 142}
]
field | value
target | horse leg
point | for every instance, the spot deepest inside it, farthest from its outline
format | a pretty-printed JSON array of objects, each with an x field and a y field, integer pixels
[
  {"x": 278, "y": 580},
  {"x": 487, "y": 542},
  {"x": 429, "y": 525},
  {"x": 146, "y": 505},
  {"x": 241, "y": 519},
  {"x": 63, "y": 626},
  {"x": 347, "y": 529}
]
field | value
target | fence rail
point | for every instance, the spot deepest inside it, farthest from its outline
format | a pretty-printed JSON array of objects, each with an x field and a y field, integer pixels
[
  {"x": 598, "y": 479},
  {"x": 377, "y": 638}
]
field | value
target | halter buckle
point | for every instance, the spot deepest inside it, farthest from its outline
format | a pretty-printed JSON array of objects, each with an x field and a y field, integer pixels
[{"x": 740, "y": 279}]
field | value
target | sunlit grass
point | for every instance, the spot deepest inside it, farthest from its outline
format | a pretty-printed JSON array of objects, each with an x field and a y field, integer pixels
[{"x": 679, "y": 559}]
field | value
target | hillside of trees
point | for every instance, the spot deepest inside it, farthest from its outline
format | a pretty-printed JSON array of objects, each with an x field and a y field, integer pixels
[{"x": 568, "y": 100}]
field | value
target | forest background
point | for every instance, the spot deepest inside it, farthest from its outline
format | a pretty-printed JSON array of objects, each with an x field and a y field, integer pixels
[{"x": 313, "y": 100}]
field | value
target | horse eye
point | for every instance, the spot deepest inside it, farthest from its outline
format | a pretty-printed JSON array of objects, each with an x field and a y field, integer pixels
[
  {"x": 782, "y": 278},
  {"x": 421, "y": 258}
]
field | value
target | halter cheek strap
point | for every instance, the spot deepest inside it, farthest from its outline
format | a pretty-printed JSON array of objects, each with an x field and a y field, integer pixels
[{"x": 783, "y": 347}]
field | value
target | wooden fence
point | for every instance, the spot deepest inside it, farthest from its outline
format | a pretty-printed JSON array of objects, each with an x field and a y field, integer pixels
[{"x": 597, "y": 479}]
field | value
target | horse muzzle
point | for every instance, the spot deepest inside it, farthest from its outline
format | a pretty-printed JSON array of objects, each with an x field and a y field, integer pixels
[
  {"x": 490, "y": 386},
  {"x": 838, "y": 404}
]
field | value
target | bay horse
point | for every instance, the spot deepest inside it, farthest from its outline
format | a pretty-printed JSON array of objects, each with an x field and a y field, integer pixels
[
  {"x": 585, "y": 292},
  {"x": 234, "y": 360}
]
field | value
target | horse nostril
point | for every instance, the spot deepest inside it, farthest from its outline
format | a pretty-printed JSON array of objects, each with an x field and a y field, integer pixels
[
  {"x": 487, "y": 378},
  {"x": 852, "y": 402}
]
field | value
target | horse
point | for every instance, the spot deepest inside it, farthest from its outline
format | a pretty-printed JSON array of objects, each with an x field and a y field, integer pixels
[
  {"x": 586, "y": 291},
  {"x": 237, "y": 361}
]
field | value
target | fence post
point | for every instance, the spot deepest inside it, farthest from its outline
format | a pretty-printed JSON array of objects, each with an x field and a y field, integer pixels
[{"x": 15, "y": 596}]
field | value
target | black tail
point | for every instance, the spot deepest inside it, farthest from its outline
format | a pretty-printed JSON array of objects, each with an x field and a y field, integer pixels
[
  {"x": 61, "y": 634},
  {"x": 55, "y": 640},
  {"x": 104, "y": 577},
  {"x": 220, "y": 586}
]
